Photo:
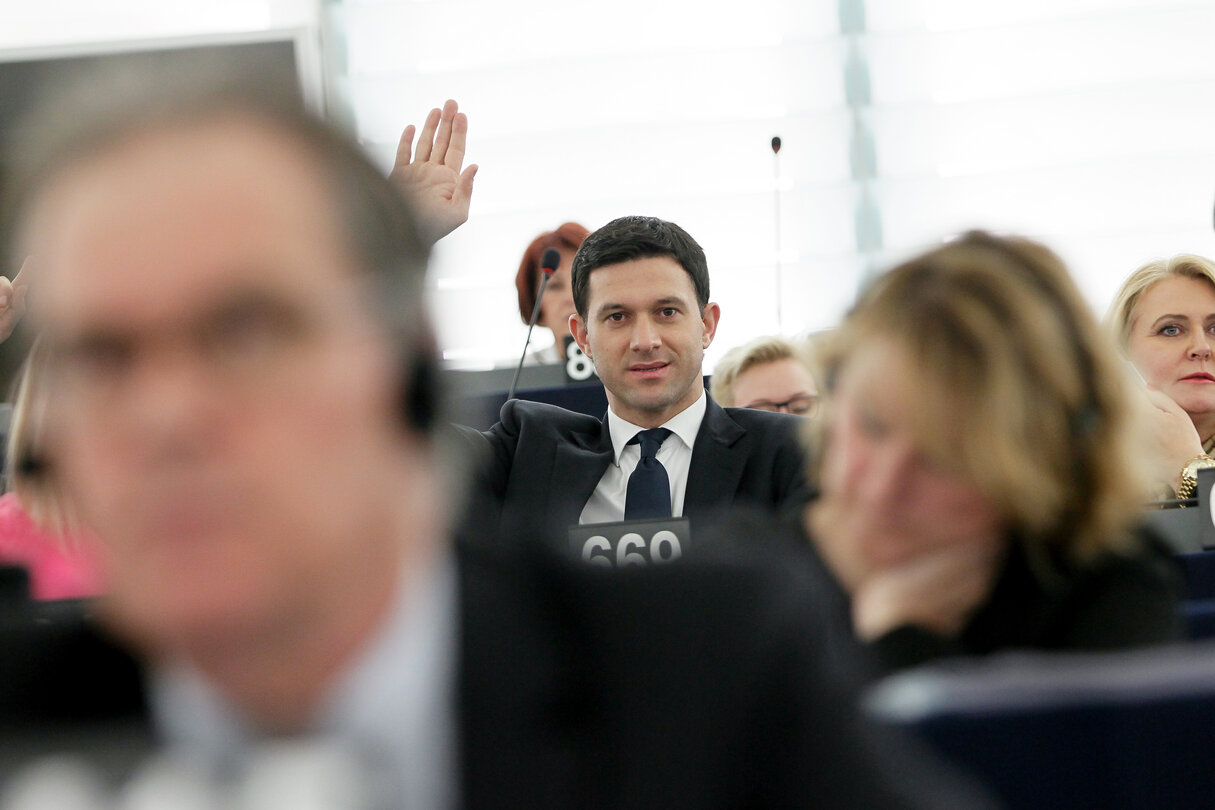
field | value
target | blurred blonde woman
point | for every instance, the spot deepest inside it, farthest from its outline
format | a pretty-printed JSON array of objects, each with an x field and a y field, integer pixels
[
  {"x": 977, "y": 490},
  {"x": 1164, "y": 321},
  {"x": 37, "y": 530}
]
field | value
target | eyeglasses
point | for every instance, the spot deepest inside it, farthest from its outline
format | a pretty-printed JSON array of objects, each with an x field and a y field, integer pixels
[
  {"x": 249, "y": 341},
  {"x": 801, "y": 405}
]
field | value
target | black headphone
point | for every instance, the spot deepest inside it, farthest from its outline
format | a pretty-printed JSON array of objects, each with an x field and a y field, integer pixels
[{"x": 421, "y": 391}]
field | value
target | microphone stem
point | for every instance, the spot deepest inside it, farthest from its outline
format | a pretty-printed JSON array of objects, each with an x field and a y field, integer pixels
[
  {"x": 530, "y": 326},
  {"x": 776, "y": 220}
]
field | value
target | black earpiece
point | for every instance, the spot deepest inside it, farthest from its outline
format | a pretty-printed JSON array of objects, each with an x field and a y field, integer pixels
[
  {"x": 421, "y": 392},
  {"x": 31, "y": 465}
]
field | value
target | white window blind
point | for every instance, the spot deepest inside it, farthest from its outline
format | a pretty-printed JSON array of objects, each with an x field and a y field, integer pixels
[
  {"x": 1085, "y": 123},
  {"x": 64, "y": 23},
  {"x": 588, "y": 111}
]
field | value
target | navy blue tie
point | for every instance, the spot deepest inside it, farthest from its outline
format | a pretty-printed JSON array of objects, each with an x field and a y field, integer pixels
[{"x": 649, "y": 490}]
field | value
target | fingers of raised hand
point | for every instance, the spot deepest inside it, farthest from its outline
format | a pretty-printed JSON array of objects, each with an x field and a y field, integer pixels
[
  {"x": 427, "y": 138},
  {"x": 454, "y": 156},
  {"x": 405, "y": 147},
  {"x": 443, "y": 136},
  {"x": 464, "y": 187}
]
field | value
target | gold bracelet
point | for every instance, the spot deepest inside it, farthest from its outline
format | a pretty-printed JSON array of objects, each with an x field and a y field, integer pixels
[{"x": 1189, "y": 475}]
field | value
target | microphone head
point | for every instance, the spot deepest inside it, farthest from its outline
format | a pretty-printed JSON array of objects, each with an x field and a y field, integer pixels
[
  {"x": 550, "y": 260},
  {"x": 775, "y": 144}
]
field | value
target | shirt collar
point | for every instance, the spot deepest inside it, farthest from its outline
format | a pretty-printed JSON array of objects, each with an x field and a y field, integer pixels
[
  {"x": 685, "y": 425},
  {"x": 395, "y": 698}
]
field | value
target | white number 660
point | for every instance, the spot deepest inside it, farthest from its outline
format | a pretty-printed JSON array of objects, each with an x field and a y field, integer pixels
[{"x": 663, "y": 548}]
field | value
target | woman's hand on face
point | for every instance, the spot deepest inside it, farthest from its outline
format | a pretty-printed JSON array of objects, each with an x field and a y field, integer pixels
[
  {"x": 858, "y": 543},
  {"x": 937, "y": 590},
  {"x": 1172, "y": 436}
]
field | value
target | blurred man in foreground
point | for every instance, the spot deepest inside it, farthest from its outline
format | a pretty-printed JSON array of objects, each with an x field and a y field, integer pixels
[{"x": 243, "y": 410}]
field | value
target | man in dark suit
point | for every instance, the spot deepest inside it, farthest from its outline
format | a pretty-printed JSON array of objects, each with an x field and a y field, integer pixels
[
  {"x": 242, "y": 408},
  {"x": 641, "y": 290}
]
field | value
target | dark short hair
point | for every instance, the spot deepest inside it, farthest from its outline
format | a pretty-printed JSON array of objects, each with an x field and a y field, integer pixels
[{"x": 629, "y": 238}]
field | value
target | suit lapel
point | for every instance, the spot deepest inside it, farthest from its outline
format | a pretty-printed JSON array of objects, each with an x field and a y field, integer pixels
[
  {"x": 577, "y": 468},
  {"x": 716, "y": 470}
]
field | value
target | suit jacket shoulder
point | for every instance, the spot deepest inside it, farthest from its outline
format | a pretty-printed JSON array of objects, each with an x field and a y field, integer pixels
[
  {"x": 746, "y": 457},
  {"x": 533, "y": 472},
  {"x": 64, "y": 687},
  {"x": 539, "y": 464}
]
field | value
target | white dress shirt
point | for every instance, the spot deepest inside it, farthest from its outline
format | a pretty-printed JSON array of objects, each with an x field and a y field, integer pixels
[
  {"x": 394, "y": 707},
  {"x": 606, "y": 504}
]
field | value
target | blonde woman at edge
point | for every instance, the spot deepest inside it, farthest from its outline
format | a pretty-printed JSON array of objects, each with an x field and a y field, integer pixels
[{"x": 1164, "y": 321}]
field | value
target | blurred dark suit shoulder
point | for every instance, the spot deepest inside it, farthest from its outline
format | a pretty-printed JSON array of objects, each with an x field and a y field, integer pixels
[
  {"x": 65, "y": 687},
  {"x": 700, "y": 684},
  {"x": 697, "y": 685}
]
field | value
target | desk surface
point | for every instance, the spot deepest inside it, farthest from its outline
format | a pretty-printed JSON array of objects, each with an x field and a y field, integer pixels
[
  {"x": 1181, "y": 529},
  {"x": 475, "y": 401},
  {"x": 480, "y": 410}
]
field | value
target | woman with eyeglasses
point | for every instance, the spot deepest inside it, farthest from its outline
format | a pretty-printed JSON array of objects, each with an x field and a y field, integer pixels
[{"x": 769, "y": 374}]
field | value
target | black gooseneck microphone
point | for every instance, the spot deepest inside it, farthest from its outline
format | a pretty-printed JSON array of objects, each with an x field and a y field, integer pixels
[
  {"x": 548, "y": 266},
  {"x": 776, "y": 222}
]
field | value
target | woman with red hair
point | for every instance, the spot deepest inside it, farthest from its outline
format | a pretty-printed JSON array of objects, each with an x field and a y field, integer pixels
[{"x": 558, "y": 303}]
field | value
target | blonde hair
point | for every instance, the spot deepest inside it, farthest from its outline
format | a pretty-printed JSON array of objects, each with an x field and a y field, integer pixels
[
  {"x": 1121, "y": 311},
  {"x": 767, "y": 349},
  {"x": 24, "y": 474},
  {"x": 996, "y": 326}
]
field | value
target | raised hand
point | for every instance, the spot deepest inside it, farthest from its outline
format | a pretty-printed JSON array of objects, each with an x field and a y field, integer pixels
[
  {"x": 431, "y": 175},
  {"x": 12, "y": 300}
]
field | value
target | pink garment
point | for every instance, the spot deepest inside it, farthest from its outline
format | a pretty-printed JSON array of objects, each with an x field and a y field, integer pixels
[{"x": 60, "y": 568}]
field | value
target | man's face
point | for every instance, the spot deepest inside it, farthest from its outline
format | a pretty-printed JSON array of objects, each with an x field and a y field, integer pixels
[
  {"x": 223, "y": 411},
  {"x": 646, "y": 336}
]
